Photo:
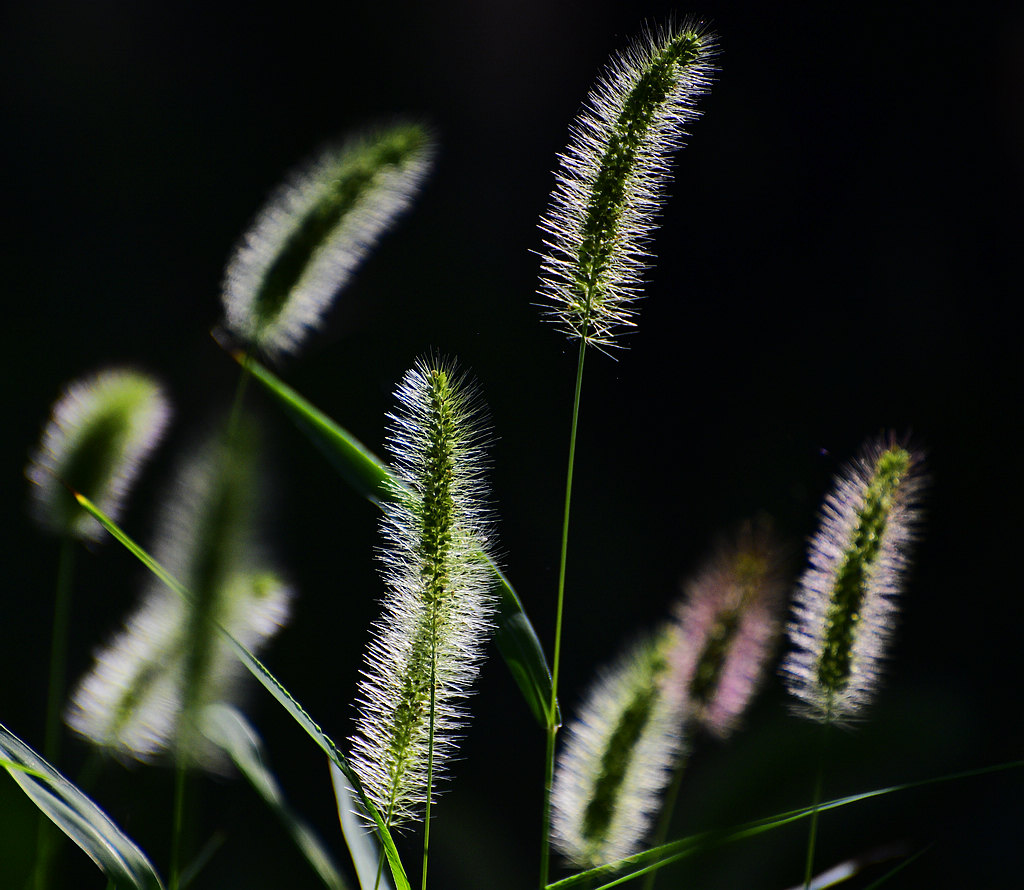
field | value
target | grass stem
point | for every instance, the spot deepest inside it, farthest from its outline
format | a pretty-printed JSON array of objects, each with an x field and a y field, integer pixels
[
  {"x": 58, "y": 669},
  {"x": 180, "y": 774},
  {"x": 812, "y": 836},
  {"x": 549, "y": 758},
  {"x": 236, "y": 405},
  {"x": 430, "y": 763},
  {"x": 665, "y": 818}
]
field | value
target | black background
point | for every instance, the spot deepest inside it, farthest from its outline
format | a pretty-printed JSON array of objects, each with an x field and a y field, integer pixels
[{"x": 840, "y": 255}]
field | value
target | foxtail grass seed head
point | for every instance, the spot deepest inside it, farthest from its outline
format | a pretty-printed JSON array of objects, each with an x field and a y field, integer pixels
[
  {"x": 845, "y": 607},
  {"x": 100, "y": 433},
  {"x": 438, "y": 603},
  {"x": 611, "y": 181},
  {"x": 148, "y": 687},
  {"x": 315, "y": 231},
  {"x": 729, "y": 621},
  {"x": 619, "y": 753}
]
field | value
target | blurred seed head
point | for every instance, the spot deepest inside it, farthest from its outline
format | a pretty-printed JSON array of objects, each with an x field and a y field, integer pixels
[
  {"x": 314, "y": 232},
  {"x": 729, "y": 620},
  {"x": 618, "y": 754},
  {"x": 150, "y": 684},
  {"x": 100, "y": 433}
]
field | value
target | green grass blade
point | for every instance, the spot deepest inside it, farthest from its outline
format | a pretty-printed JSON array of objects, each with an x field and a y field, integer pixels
[
  {"x": 358, "y": 466},
  {"x": 227, "y": 727},
  {"x": 624, "y": 870},
  {"x": 270, "y": 683},
  {"x": 367, "y": 474},
  {"x": 78, "y": 816},
  {"x": 365, "y": 855}
]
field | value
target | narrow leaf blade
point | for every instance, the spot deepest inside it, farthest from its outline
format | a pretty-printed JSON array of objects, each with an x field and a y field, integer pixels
[
  {"x": 78, "y": 816},
  {"x": 365, "y": 855},
  {"x": 227, "y": 727}
]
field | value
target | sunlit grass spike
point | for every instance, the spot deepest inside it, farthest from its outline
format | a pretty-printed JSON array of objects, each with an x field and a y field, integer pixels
[
  {"x": 427, "y": 646},
  {"x": 845, "y": 608},
  {"x": 611, "y": 181}
]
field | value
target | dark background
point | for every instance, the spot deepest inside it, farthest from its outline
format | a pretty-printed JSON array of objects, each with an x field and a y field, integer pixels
[{"x": 840, "y": 255}]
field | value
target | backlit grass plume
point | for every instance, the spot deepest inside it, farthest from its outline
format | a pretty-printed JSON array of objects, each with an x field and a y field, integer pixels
[
  {"x": 313, "y": 233},
  {"x": 146, "y": 692},
  {"x": 99, "y": 434},
  {"x": 611, "y": 180},
  {"x": 729, "y": 621},
  {"x": 427, "y": 645},
  {"x": 619, "y": 754},
  {"x": 845, "y": 608}
]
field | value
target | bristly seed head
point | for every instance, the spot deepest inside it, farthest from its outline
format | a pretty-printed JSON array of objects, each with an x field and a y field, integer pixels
[
  {"x": 149, "y": 687},
  {"x": 619, "y": 753},
  {"x": 611, "y": 181},
  {"x": 314, "y": 232},
  {"x": 845, "y": 608},
  {"x": 438, "y": 604},
  {"x": 730, "y": 622},
  {"x": 100, "y": 433}
]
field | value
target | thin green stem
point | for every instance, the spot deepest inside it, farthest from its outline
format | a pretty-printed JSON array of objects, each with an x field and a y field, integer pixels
[
  {"x": 236, "y": 405},
  {"x": 812, "y": 836},
  {"x": 549, "y": 758},
  {"x": 180, "y": 774},
  {"x": 430, "y": 761},
  {"x": 59, "y": 646},
  {"x": 58, "y": 669},
  {"x": 665, "y": 819}
]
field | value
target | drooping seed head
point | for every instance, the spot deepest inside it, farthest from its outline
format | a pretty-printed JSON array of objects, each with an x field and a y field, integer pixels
[
  {"x": 611, "y": 181},
  {"x": 100, "y": 433},
  {"x": 148, "y": 687},
  {"x": 730, "y": 622},
  {"x": 846, "y": 605},
  {"x": 619, "y": 753},
  {"x": 438, "y": 604},
  {"x": 315, "y": 231}
]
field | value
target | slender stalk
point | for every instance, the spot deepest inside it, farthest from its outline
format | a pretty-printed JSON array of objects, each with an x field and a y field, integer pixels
[
  {"x": 58, "y": 668},
  {"x": 665, "y": 819},
  {"x": 59, "y": 646},
  {"x": 180, "y": 773},
  {"x": 549, "y": 758},
  {"x": 236, "y": 405},
  {"x": 430, "y": 763},
  {"x": 812, "y": 837}
]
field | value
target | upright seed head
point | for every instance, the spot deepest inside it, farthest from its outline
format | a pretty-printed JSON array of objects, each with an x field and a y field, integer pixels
[
  {"x": 315, "y": 231},
  {"x": 149, "y": 686},
  {"x": 100, "y": 433},
  {"x": 438, "y": 602},
  {"x": 611, "y": 181},
  {"x": 619, "y": 753},
  {"x": 845, "y": 608},
  {"x": 730, "y": 621}
]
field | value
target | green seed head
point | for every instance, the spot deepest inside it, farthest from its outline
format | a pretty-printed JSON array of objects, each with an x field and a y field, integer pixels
[
  {"x": 611, "y": 181},
  {"x": 99, "y": 435},
  {"x": 845, "y": 609}
]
